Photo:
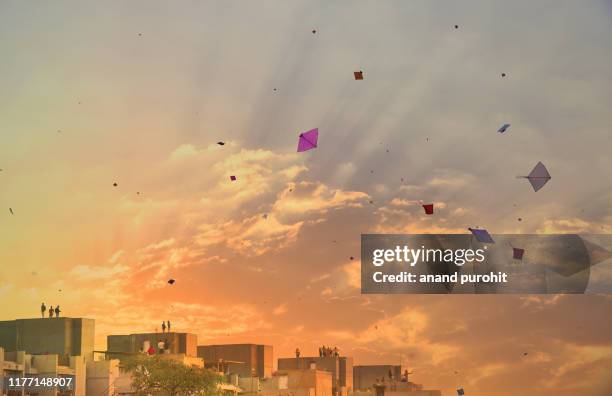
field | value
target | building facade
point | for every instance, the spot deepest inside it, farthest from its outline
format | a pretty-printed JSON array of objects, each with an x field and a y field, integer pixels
[
  {"x": 364, "y": 377},
  {"x": 246, "y": 360},
  {"x": 340, "y": 367},
  {"x": 19, "y": 364},
  {"x": 178, "y": 343},
  {"x": 60, "y": 336}
]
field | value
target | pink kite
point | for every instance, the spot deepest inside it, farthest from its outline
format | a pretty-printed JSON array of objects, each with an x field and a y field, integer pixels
[{"x": 308, "y": 140}]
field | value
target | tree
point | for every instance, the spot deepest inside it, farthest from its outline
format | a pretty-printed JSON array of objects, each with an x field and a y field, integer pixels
[{"x": 159, "y": 375}]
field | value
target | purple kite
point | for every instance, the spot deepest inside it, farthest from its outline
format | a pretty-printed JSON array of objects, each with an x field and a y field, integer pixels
[
  {"x": 538, "y": 177},
  {"x": 503, "y": 128},
  {"x": 308, "y": 140},
  {"x": 233, "y": 178},
  {"x": 482, "y": 235}
]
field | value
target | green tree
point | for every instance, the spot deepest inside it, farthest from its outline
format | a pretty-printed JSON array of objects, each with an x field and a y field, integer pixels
[{"x": 159, "y": 375}]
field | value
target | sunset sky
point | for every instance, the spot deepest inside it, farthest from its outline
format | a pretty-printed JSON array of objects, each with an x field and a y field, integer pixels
[{"x": 138, "y": 93}]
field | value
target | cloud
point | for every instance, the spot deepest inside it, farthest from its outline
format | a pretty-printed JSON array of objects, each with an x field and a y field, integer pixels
[
  {"x": 281, "y": 309},
  {"x": 89, "y": 273},
  {"x": 574, "y": 226}
]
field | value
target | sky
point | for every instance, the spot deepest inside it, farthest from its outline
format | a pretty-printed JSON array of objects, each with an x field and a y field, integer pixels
[{"x": 138, "y": 93}]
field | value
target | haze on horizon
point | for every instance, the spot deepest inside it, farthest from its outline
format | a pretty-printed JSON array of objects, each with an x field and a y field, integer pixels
[{"x": 138, "y": 93}]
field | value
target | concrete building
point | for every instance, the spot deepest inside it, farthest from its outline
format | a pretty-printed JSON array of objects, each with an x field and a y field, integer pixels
[
  {"x": 308, "y": 382},
  {"x": 340, "y": 367},
  {"x": 118, "y": 346},
  {"x": 245, "y": 360},
  {"x": 60, "y": 336},
  {"x": 364, "y": 377},
  {"x": 397, "y": 388},
  {"x": 298, "y": 382},
  {"x": 22, "y": 364},
  {"x": 102, "y": 377}
]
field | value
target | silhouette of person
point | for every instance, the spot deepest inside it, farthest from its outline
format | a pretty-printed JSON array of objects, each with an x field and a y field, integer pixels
[
  {"x": 297, "y": 352},
  {"x": 43, "y": 309},
  {"x": 163, "y": 327},
  {"x": 57, "y": 311},
  {"x": 168, "y": 326},
  {"x": 51, "y": 311}
]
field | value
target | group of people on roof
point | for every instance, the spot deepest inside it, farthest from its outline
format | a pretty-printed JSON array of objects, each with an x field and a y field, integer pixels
[{"x": 56, "y": 310}]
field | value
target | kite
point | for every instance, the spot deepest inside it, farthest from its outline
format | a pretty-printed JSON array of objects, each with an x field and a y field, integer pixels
[
  {"x": 358, "y": 75},
  {"x": 456, "y": 26},
  {"x": 429, "y": 209},
  {"x": 314, "y": 31},
  {"x": 538, "y": 177},
  {"x": 503, "y": 128},
  {"x": 221, "y": 143},
  {"x": 503, "y": 74},
  {"x": 460, "y": 392},
  {"x": 171, "y": 281},
  {"x": 233, "y": 178},
  {"x": 114, "y": 184},
  {"x": 11, "y": 210},
  {"x": 481, "y": 235},
  {"x": 308, "y": 140},
  {"x": 517, "y": 253}
]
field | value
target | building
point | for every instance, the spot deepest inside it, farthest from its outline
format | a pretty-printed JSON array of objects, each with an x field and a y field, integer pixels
[
  {"x": 246, "y": 360},
  {"x": 308, "y": 382},
  {"x": 298, "y": 382},
  {"x": 397, "y": 388},
  {"x": 404, "y": 389},
  {"x": 364, "y": 377},
  {"x": 102, "y": 377},
  {"x": 118, "y": 346},
  {"x": 60, "y": 336},
  {"x": 340, "y": 367},
  {"x": 22, "y": 364}
]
